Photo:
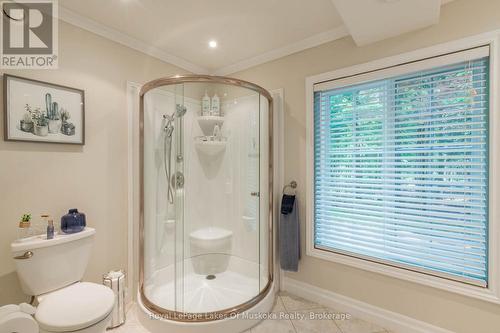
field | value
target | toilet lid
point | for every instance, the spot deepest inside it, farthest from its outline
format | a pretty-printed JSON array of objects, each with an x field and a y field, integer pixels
[{"x": 75, "y": 307}]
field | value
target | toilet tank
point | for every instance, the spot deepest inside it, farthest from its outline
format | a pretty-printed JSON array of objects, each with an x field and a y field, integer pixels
[{"x": 47, "y": 265}]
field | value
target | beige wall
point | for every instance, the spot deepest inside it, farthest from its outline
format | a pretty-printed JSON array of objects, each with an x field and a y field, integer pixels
[
  {"x": 50, "y": 178},
  {"x": 459, "y": 19}
]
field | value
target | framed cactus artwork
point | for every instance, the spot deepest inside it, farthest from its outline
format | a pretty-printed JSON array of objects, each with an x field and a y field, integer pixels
[{"x": 37, "y": 111}]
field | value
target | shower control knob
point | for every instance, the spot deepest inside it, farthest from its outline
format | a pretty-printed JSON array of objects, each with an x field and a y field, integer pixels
[
  {"x": 177, "y": 180},
  {"x": 255, "y": 194}
]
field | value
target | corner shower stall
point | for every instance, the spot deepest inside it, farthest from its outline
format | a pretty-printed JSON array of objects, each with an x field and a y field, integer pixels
[{"x": 206, "y": 226}]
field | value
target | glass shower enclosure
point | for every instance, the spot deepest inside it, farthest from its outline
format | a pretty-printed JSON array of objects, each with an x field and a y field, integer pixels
[{"x": 206, "y": 203}]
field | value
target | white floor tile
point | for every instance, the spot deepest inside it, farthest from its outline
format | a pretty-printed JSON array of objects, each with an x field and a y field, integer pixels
[
  {"x": 278, "y": 306},
  {"x": 314, "y": 321},
  {"x": 274, "y": 326},
  {"x": 293, "y": 303},
  {"x": 130, "y": 328},
  {"x": 356, "y": 325},
  {"x": 285, "y": 304}
]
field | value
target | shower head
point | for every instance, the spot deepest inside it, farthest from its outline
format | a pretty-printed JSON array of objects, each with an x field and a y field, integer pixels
[{"x": 180, "y": 111}]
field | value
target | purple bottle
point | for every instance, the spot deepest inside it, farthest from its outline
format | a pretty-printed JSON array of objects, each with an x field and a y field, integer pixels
[{"x": 73, "y": 222}]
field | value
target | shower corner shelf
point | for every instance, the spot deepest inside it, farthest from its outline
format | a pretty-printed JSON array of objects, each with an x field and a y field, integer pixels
[
  {"x": 210, "y": 148},
  {"x": 207, "y": 123}
]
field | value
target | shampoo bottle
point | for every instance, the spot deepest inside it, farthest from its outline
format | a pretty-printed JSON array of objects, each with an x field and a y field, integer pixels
[
  {"x": 205, "y": 105},
  {"x": 50, "y": 229},
  {"x": 215, "y": 105},
  {"x": 217, "y": 134}
]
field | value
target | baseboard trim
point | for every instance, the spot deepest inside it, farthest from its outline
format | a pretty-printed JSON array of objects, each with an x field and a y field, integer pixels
[{"x": 391, "y": 320}]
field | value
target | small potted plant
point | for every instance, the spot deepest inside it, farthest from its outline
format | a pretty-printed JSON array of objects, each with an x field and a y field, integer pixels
[
  {"x": 67, "y": 127},
  {"x": 25, "y": 221},
  {"x": 65, "y": 115},
  {"x": 41, "y": 124},
  {"x": 27, "y": 121},
  {"x": 24, "y": 231}
]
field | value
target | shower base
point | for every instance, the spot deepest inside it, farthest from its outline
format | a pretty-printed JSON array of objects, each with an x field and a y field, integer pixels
[
  {"x": 226, "y": 290},
  {"x": 197, "y": 294}
]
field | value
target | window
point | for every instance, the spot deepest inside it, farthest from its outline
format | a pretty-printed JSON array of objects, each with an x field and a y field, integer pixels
[{"x": 401, "y": 166}]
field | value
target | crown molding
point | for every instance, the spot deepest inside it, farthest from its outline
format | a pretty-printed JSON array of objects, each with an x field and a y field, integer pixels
[
  {"x": 102, "y": 30},
  {"x": 85, "y": 23},
  {"x": 136, "y": 44},
  {"x": 315, "y": 40}
]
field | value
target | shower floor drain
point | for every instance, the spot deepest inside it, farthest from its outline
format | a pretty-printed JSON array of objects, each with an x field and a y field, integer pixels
[{"x": 210, "y": 277}]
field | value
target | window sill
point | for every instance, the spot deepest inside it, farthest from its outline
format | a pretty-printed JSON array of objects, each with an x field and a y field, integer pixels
[{"x": 484, "y": 294}]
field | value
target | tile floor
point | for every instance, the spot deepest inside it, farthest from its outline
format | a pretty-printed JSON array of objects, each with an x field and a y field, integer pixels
[{"x": 297, "y": 312}]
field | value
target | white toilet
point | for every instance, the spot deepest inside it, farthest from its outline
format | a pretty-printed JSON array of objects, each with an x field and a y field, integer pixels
[
  {"x": 52, "y": 270},
  {"x": 210, "y": 250}
]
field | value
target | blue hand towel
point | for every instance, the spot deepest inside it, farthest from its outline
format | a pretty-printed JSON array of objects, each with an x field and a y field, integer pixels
[
  {"x": 287, "y": 204},
  {"x": 289, "y": 238}
]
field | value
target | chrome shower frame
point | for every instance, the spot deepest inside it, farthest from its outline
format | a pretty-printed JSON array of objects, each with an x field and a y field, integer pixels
[{"x": 224, "y": 313}]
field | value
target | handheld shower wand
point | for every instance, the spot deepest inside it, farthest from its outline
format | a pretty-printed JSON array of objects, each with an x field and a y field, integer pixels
[{"x": 179, "y": 112}]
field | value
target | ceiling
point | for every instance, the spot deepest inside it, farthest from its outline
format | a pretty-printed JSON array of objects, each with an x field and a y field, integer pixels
[{"x": 247, "y": 32}]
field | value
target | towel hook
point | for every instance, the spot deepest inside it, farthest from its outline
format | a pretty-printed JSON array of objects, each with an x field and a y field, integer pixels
[{"x": 292, "y": 185}]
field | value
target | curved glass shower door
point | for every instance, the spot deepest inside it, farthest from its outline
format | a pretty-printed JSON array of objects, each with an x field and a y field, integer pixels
[
  {"x": 206, "y": 205},
  {"x": 163, "y": 197}
]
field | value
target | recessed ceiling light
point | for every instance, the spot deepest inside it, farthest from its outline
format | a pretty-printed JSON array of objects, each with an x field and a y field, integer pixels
[{"x": 212, "y": 44}]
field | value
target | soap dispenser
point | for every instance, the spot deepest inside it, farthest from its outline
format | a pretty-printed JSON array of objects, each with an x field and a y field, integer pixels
[
  {"x": 215, "y": 105},
  {"x": 205, "y": 105}
]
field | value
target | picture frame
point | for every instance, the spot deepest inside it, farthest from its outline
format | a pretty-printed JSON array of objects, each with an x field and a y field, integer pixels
[{"x": 39, "y": 111}]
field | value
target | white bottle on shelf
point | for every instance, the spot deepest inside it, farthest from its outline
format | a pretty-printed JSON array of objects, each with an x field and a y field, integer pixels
[
  {"x": 215, "y": 105},
  {"x": 205, "y": 105},
  {"x": 217, "y": 135}
]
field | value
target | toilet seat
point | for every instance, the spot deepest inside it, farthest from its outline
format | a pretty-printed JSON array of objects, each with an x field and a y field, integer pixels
[{"x": 75, "y": 307}]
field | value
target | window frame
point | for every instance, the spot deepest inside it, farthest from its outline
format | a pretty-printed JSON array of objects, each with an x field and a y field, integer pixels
[{"x": 492, "y": 292}]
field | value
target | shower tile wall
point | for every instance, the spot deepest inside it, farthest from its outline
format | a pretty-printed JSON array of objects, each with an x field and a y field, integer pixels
[{"x": 217, "y": 188}]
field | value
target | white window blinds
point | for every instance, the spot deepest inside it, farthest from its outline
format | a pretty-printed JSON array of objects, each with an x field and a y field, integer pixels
[{"x": 401, "y": 168}]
